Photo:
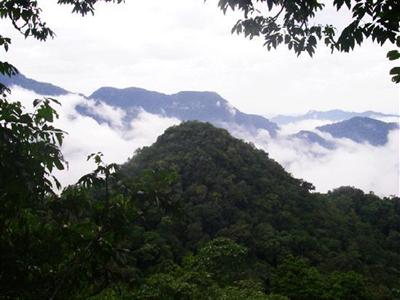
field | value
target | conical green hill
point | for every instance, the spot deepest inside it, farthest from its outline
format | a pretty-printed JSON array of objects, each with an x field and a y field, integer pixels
[{"x": 224, "y": 182}]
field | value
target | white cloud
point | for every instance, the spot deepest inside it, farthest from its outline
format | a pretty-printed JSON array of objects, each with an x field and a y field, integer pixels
[
  {"x": 187, "y": 45},
  {"x": 144, "y": 127},
  {"x": 230, "y": 108},
  {"x": 361, "y": 165},
  {"x": 388, "y": 119},
  {"x": 294, "y": 127},
  {"x": 86, "y": 136},
  {"x": 112, "y": 114},
  {"x": 364, "y": 166}
]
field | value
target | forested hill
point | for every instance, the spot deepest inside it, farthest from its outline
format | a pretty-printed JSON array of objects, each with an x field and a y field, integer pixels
[
  {"x": 210, "y": 156},
  {"x": 197, "y": 215},
  {"x": 340, "y": 245}
]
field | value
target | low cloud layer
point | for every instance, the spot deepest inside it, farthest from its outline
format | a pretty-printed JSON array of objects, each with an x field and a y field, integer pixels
[
  {"x": 294, "y": 127},
  {"x": 364, "y": 166},
  {"x": 361, "y": 165},
  {"x": 86, "y": 136}
]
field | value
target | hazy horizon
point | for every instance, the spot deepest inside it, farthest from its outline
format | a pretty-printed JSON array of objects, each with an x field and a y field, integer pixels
[
  {"x": 299, "y": 113},
  {"x": 188, "y": 45},
  {"x": 326, "y": 169}
]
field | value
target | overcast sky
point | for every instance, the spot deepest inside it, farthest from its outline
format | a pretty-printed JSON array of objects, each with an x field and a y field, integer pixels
[{"x": 187, "y": 45}]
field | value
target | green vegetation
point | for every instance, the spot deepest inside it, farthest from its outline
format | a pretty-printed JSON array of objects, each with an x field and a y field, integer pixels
[
  {"x": 311, "y": 243},
  {"x": 198, "y": 215},
  {"x": 293, "y": 23}
]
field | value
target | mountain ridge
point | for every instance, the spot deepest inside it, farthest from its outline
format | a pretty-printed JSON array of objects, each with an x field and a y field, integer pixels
[
  {"x": 225, "y": 187},
  {"x": 39, "y": 87},
  {"x": 313, "y": 138},
  {"x": 205, "y": 106},
  {"x": 332, "y": 115},
  {"x": 185, "y": 105},
  {"x": 361, "y": 130}
]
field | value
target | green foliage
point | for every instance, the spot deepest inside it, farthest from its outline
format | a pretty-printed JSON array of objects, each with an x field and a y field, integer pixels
[
  {"x": 179, "y": 284},
  {"x": 394, "y": 55},
  {"x": 29, "y": 149},
  {"x": 223, "y": 258},
  {"x": 291, "y": 23},
  {"x": 159, "y": 227},
  {"x": 54, "y": 247},
  {"x": 199, "y": 215},
  {"x": 349, "y": 285},
  {"x": 228, "y": 191},
  {"x": 239, "y": 293},
  {"x": 297, "y": 280}
]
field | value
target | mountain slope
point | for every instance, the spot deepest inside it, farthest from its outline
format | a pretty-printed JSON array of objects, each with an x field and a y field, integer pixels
[
  {"x": 334, "y": 115},
  {"x": 189, "y": 105},
  {"x": 211, "y": 107},
  {"x": 227, "y": 188},
  {"x": 361, "y": 130},
  {"x": 221, "y": 179},
  {"x": 41, "y": 88},
  {"x": 197, "y": 149},
  {"x": 313, "y": 138}
]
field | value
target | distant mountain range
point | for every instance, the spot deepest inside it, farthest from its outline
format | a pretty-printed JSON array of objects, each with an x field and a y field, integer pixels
[
  {"x": 189, "y": 105},
  {"x": 211, "y": 107},
  {"x": 334, "y": 115},
  {"x": 361, "y": 130},
  {"x": 201, "y": 106},
  {"x": 313, "y": 138},
  {"x": 41, "y": 88},
  {"x": 358, "y": 129}
]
